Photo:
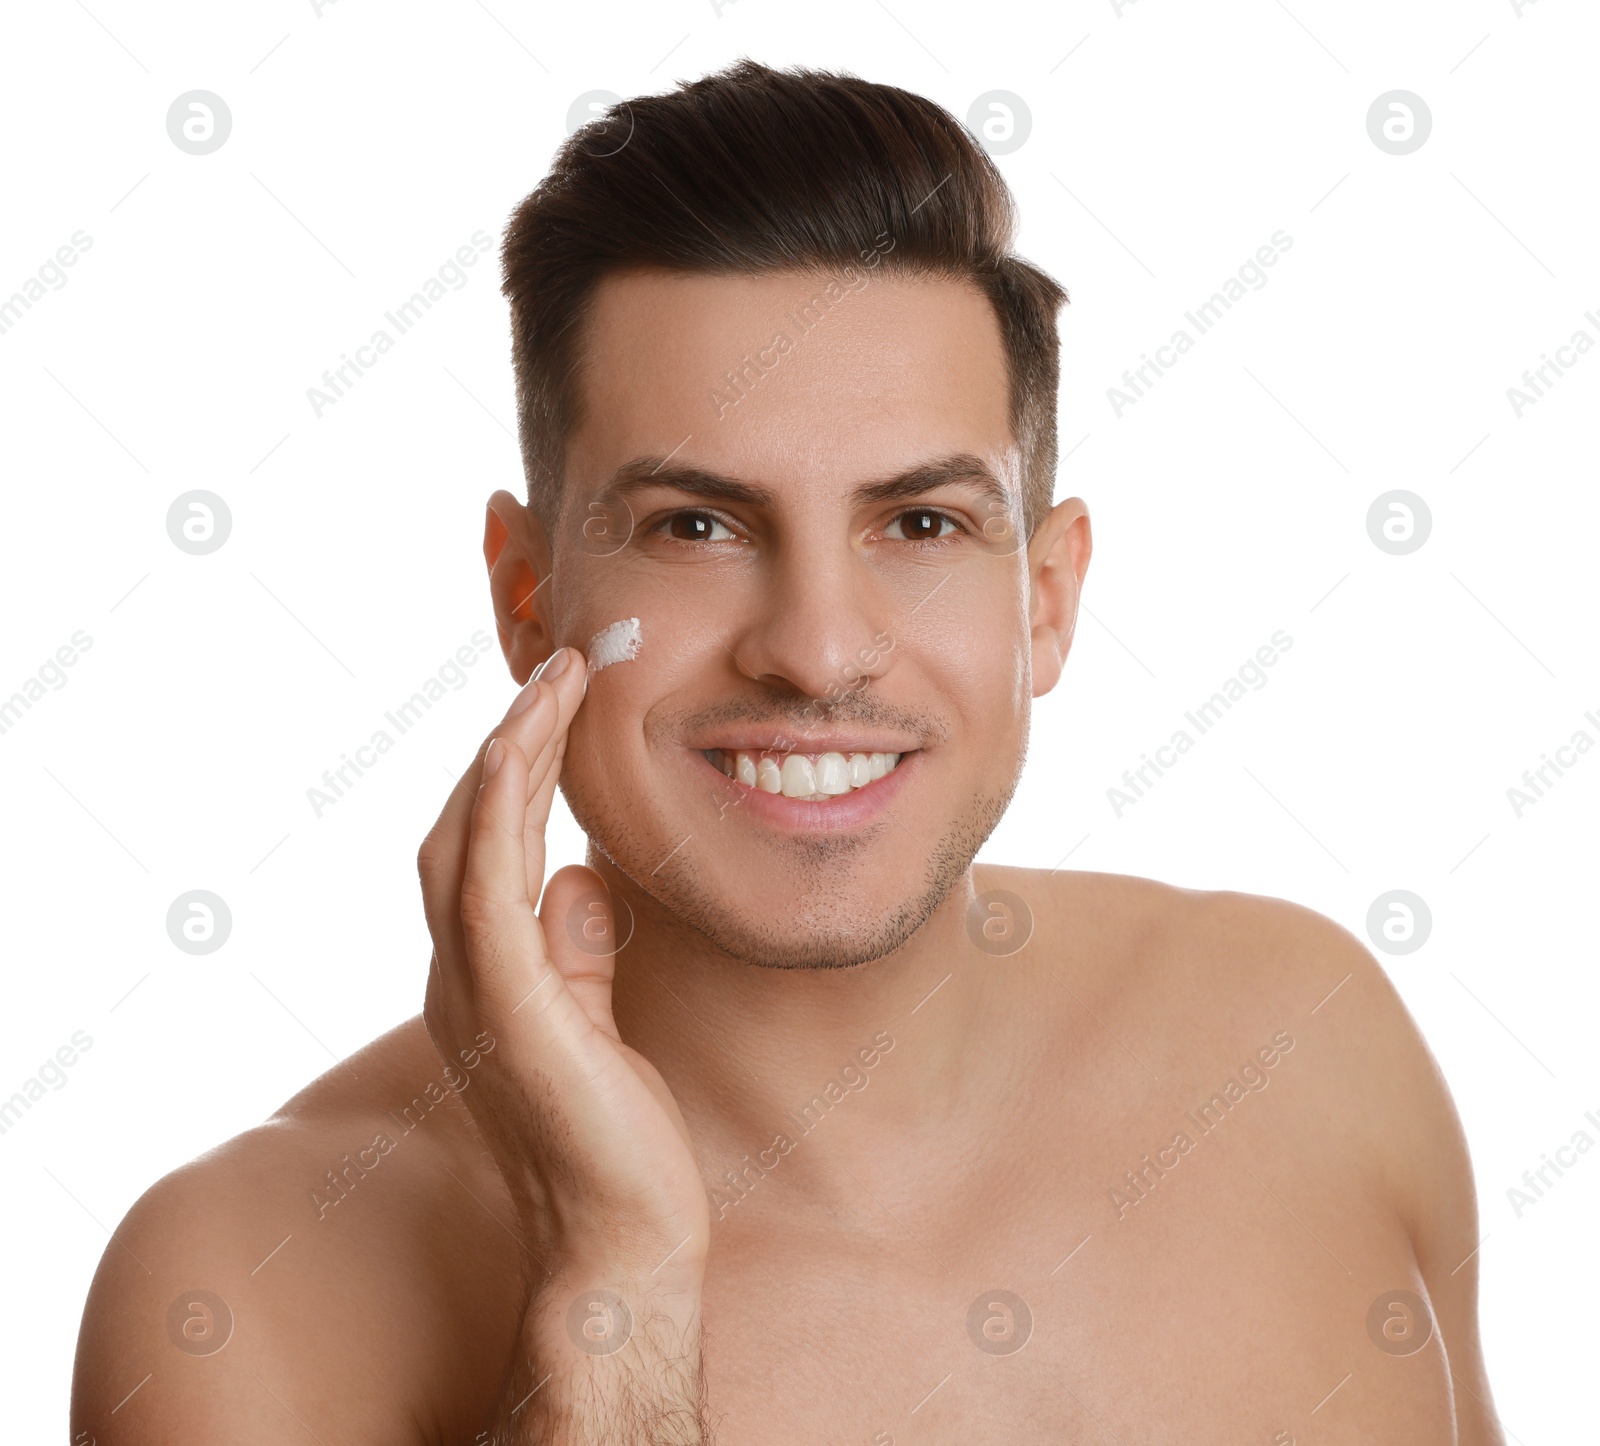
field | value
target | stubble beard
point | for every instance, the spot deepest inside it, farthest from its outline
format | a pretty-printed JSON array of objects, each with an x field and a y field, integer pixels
[{"x": 825, "y": 932}]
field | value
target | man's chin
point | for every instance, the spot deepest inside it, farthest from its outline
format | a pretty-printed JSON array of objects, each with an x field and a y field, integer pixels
[
  {"x": 837, "y": 914},
  {"x": 837, "y": 936},
  {"x": 833, "y": 907}
]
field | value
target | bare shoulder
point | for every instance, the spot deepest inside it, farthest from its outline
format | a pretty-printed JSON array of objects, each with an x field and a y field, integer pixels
[
  {"x": 309, "y": 1269},
  {"x": 1369, "y": 1091},
  {"x": 1223, "y": 995},
  {"x": 1209, "y": 977}
]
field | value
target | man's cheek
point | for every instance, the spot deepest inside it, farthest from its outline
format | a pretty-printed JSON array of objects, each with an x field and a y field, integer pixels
[{"x": 606, "y": 755}]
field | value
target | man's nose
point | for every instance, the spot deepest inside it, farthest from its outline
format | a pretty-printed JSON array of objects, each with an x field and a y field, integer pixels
[{"x": 820, "y": 623}]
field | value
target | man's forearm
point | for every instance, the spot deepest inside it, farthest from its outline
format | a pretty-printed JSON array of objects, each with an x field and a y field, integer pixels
[{"x": 604, "y": 1361}]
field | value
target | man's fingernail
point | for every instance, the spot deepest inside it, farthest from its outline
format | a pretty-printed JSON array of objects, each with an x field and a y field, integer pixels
[
  {"x": 554, "y": 666},
  {"x": 547, "y": 672}
]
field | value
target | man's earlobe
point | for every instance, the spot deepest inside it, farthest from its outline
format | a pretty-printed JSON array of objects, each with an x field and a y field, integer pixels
[
  {"x": 1049, "y": 658},
  {"x": 1064, "y": 545}
]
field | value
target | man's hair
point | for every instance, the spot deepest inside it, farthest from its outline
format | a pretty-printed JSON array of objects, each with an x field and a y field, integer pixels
[{"x": 754, "y": 170}]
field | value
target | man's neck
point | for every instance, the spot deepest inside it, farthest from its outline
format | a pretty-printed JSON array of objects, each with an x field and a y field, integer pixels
[{"x": 752, "y": 1052}]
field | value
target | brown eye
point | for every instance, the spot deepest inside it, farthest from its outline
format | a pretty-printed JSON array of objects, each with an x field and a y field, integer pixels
[
  {"x": 921, "y": 524},
  {"x": 692, "y": 527}
]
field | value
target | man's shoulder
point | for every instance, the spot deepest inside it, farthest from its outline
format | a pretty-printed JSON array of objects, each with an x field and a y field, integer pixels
[
  {"x": 297, "y": 1262},
  {"x": 306, "y": 1159},
  {"x": 1196, "y": 981},
  {"x": 1224, "y": 943}
]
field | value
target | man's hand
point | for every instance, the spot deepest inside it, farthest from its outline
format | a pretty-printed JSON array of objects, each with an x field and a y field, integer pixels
[{"x": 593, "y": 1148}]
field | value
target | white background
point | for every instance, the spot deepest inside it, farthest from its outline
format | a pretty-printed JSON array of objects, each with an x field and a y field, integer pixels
[{"x": 1167, "y": 143}]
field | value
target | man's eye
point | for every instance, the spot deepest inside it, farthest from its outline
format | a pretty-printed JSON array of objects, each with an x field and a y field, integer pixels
[
  {"x": 693, "y": 527},
  {"x": 922, "y": 524}
]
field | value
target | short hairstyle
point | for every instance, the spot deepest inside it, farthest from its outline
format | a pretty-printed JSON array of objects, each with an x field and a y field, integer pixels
[{"x": 754, "y": 170}]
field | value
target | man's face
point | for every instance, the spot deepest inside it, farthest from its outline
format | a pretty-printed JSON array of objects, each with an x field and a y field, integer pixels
[{"x": 800, "y": 614}]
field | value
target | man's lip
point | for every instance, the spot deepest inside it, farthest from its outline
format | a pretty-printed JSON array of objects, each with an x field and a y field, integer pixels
[
  {"x": 842, "y": 813},
  {"x": 769, "y": 740}
]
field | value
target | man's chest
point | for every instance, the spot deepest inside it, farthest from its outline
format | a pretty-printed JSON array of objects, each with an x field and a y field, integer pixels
[{"x": 1226, "y": 1305}]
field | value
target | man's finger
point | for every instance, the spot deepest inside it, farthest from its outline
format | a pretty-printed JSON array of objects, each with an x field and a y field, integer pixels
[
  {"x": 580, "y": 932},
  {"x": 515, "y": 985},
  {"x": 442, "y": 859}
]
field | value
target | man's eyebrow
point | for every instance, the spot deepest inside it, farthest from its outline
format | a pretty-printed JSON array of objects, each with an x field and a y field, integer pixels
[{"x": 957, "y": 469}]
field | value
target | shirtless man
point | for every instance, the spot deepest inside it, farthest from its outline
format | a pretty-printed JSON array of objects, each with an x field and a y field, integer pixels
[{"x": 781, "y": 1120}]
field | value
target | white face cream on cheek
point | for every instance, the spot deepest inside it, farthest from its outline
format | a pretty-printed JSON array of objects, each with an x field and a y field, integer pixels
[{"x": 618, "y": 643}]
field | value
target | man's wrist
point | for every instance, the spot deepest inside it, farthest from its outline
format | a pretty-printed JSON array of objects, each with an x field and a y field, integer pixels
[{"x": 616, "y": 1358}]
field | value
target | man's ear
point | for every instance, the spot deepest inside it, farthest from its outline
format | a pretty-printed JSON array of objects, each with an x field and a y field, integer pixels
[
  {"x": 518, "y": 556},
  {"x": 1058, "y": 558}
]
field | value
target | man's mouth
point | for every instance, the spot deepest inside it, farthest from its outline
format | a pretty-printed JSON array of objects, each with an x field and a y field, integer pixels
[{"x": 815, "y": 777}]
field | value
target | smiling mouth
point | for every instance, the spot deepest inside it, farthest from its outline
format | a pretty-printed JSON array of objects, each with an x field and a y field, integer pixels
[{"x": 816, "y": 777}]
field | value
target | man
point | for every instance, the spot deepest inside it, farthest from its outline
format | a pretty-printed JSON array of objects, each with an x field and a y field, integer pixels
[{"x": 781, "y": 1120}]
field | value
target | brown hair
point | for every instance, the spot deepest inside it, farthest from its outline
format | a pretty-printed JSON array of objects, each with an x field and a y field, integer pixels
[{"x": 752, "y": 169}]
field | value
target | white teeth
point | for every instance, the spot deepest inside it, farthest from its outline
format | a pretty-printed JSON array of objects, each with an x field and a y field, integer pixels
[
  {"x": 799, "y": 777},
  {"x": 796, "y": 776},
  {"x": 833, "y": 774}
]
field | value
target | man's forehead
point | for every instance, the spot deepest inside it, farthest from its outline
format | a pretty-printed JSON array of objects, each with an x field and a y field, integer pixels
[{"x": 850, "y": 373}]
